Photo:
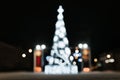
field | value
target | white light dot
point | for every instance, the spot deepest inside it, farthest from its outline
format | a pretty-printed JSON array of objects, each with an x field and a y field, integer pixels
[
  {"x": 38, "y": 47},
  {"x": 76, "y": 51},
  {"x": 60, "y": 9},
  {"x": 85, "y": 45},
  {"x": 43, "y": 46},
  {"x": 62, "y": 52},
  {"x": 55, "y": 45},
  {"x": 71, "y": 58},
  {"x": 52, "y": 52},
  {"x": 80, "y": 60},
  {"x": 77, "y": 54},
  {"x": 62, "y": 29},
  {"x": 108, "y": 56},
  {"x": 80, "y": 46},
  {"x": 106, "y": 61},
  {"x": 65, "y": 40},
  {"x": 74, "y": 63},
  {"x": 51, "y": 60},
  {"x": 23, "y": 55},
  {"x": 95, "y": 60},
  {"x": 59, "y": 24},
  {"x": 60, "y": 16},
  {"x": 111, "y": 60},
  {"x": 61, "y": 35},
  {"x": 30, "y": 50},
  {"x": 67, "y": 50},
  {"x": 56, "y": 61},
  {"x": 57, "y": 32},
  {"x": 55, "y": 38},
  {"x": 61, "y": 44}
]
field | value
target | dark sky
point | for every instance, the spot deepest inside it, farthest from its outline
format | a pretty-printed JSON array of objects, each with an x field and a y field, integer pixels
[{"x": 28, "y": 23}]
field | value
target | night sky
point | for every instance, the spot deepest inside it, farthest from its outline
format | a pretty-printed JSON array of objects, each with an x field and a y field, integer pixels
[{"x": 25, "y": 24}]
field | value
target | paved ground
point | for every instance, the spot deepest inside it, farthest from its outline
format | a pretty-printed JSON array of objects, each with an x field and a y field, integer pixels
[{"x": 42, "y": 76}]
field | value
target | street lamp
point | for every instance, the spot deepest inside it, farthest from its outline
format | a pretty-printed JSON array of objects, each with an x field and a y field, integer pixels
[
  {"x": 39, "y": 57},
  {"x": 43, "y": 47},
  {"x": 85, "y": 50}
]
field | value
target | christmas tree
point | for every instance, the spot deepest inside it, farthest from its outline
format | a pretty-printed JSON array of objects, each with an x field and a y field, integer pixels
[{"x": 60, "y": 52}]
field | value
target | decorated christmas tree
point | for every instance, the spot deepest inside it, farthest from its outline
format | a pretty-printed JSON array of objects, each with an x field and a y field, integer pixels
[
  {"x": 60, "y": 50},
  {"x": 60, "y": 53}
]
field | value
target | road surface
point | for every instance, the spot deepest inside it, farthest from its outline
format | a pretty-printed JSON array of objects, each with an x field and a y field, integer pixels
[{"x": 42, "y": 76}]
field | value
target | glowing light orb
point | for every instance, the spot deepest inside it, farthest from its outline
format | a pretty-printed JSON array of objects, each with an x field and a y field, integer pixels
[
  {"x": 30, "y": 50},
  {"x": 108, "y": 56},
  {"x": 38, "y": 47},
  {"x": 23, "y": 55},
  {"x": 95, "y": 60},
  {"x": 86, "y": 69},
  {"x": 62, "y": 29},
  {"x": 67, "y": 50},
  {"x": 111, "y": 60},
  {"x": 61, "y": 44},
  {"x": 65, "y": 40},
  {"x": 71, "y": 58},
  {"x": 76, "y": 51},
  {"x": 85, "y": 45},
  {"x": 61, "y": 35},
  {"x": 55, "y": 38},
  {"x": 80, "y": 46},
  {"x": 43, "y": 46},
  {"x": 80, "y": 60}
]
